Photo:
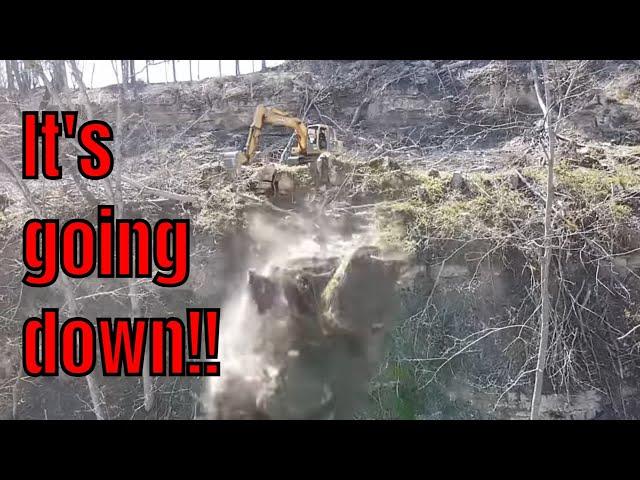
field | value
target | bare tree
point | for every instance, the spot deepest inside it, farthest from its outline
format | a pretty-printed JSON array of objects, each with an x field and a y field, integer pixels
[
  {"x": 9, "y": 72},
  {"x": 59, "y": 75},
  {"x": 60, "y": 105},
  {"x": 124, "y": 67},
  {"x": 77, "y": 75},
  {"x": 545, "y": 319},
  {"x": 97, "y": 400},
  {"x": 19, "y": 75},
  {"x": 114, "y": 189},
  {"x": 147, "y": 381},
  {"x": 66, "y": 287},
  {"x": 132, "y": 78}
]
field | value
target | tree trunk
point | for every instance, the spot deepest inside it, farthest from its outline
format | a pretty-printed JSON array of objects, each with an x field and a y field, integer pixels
[
  {"x": 64, "y": 78},
  {"x": 65, "y": 286},
  {"x": 190, "y": 74},
  {"x": 20, "y": 183},
  {"x": 48, "y": 84},
  {"x": 220, "y": 68},
  {"x": 545, "y": 318},
  {"x": 22, "y": 76},
  {"x": 173, "y": 64},
  {"x": 26, "y": 77},
  {"x": 77, "y": 75},
  {"x": 59, "y": 75},
  {"x": 97, "y": 400},
  {"x": 264, "y": 65},
  {"x": 54, "y": 94},
  {"x": 134, "y": 301},
  {"x": 132, "y": 78},
  {"x": 237, "y": 68},
  {"x": 146, "y": 63},
  {"x": 147, "y": 380},
  {"x": 10, "y": 84},
  {"x": 124, "y": 66}
]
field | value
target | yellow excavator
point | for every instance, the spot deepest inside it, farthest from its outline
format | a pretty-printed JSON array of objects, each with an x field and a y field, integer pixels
[{"x": 310, "y": 140}]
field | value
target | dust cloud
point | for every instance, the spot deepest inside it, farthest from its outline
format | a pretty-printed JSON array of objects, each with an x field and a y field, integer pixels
[{"x": 291, "y": 345}]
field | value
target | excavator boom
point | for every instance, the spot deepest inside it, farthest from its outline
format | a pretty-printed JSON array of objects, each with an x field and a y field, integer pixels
[{"x": 273, "y": 116}]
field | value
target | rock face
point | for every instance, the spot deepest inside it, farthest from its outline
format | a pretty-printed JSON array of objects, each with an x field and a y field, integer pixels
[
  {"x": 322, "y": 322},
  {"x": 426, "y": 102}
]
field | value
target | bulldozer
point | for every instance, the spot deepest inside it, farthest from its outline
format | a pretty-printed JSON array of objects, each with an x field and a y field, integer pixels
[{"x": 306, "y": 144}]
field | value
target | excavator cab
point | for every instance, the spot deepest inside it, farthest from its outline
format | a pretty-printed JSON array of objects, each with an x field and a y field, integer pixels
[
  {"x": 317, "y": 138},
  {"x": 322, "y": 138}
]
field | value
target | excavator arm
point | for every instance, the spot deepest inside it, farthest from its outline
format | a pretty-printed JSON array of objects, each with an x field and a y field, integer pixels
[{"x": 273, "y": 116}]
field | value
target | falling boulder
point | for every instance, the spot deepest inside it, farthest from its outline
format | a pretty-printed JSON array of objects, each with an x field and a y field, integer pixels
[
  {"x": 514, "y": 181},
  {"x": 283, "y": 183},
  {"x": 322, "y": 327},
  {"x": 358, "y": 292},
  {"x": 459, "y": 183},
  {"x": 263, "y": 291},
  {"x": 326, "y": 171},
  {"x": 320, "y": 169},
  {"x": 262, "y": 180}
]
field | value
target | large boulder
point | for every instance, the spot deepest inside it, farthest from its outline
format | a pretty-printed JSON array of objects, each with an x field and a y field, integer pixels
[{"x": 322, "y": 323}]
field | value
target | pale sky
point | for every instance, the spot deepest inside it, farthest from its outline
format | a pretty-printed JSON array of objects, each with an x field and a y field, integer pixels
[{"x": 99, "y": 73}]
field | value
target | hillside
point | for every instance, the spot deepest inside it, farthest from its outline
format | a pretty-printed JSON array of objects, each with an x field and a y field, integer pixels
[{"x": 423, "y": 242}]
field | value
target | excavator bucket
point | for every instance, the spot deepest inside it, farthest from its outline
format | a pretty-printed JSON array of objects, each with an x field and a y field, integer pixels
[{"x": 233, "y": 160}]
